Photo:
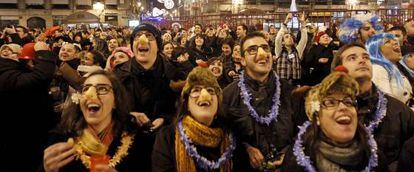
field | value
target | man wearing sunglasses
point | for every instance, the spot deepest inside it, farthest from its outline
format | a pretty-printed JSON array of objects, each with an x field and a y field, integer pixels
[{"x": 258, "y": 108}]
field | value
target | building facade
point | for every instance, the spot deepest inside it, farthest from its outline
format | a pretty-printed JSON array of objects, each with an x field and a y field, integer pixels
[{"x": 46, "y": 13}]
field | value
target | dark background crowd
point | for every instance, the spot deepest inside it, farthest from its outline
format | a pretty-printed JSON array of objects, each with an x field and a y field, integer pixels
[{"x": 37, "y": 80}]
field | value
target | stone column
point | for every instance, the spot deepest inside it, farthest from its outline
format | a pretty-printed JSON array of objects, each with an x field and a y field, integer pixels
[
  {"x": 21, "y": 4},
  {"x": 72, "y": 4},
  {"x": 48, "y": 4}
]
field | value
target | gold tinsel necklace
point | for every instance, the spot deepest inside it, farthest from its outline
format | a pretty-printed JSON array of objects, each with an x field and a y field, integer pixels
[{"x": 122, "y": 151}]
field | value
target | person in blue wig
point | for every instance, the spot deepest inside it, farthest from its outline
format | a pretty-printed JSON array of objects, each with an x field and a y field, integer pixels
[
  {"x": 406, "y": 67},
  {"x": 385, "y": 52},
  {"x": 359, "y": 28}
]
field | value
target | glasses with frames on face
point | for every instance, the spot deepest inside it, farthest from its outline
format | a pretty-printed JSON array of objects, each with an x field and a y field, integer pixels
[
  {"x": 333, "y": 103},
  {"x": 196, "y": 91},
  {"x": 252, "y": 50},
  {"x": 149, "y": 35},
  {"x": 101, "y": 89}
]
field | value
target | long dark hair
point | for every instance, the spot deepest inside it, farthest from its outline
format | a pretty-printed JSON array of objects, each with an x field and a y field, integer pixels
[
  {"x": 98, "y": 58},
  {"x": 193, "y": 44},
  {"x": 73, "y": 122},
  {"x": 313, "y": 135}
]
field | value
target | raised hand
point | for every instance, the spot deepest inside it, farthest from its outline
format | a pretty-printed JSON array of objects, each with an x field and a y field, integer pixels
[
  {"x": 41, "y": 46},
  {"x": 288, "y": 18},
  {"x": 10, "y": 30},
  {"x": 302, "y": 17}
]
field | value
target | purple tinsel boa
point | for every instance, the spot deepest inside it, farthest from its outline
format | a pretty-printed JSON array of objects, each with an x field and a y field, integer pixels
[
  {"x": 305, "y": 161},
  {"x": 201, "y": 161},
  {"x": 246, "y": 96},
  {"x": 380, "y": 112}
]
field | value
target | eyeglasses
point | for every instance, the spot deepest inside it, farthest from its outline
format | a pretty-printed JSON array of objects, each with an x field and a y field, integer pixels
[
  {"x": 332, "y": 102},
  {"x": 252, "y": 50},
  {"x": 196, "y": 91},
  {"x": 101, "y": 89},
  {"x": 149, "y": 35}
]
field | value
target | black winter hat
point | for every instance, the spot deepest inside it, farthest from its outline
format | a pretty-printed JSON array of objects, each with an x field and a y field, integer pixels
[{"x": 147, "y": 27}]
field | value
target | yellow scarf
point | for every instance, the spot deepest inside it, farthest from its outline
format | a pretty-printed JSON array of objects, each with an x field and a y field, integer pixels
[{"x": 202, "y": 135}]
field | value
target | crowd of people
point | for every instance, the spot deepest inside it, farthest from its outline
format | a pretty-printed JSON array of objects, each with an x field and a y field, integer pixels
[{"x": 213, "y": 98}]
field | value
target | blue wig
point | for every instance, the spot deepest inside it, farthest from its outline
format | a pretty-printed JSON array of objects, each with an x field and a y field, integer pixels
[
  {"x": 374, "y": 50},
  {"x": 349, "y": 29}
]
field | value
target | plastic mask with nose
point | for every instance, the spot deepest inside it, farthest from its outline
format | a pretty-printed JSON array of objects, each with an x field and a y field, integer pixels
[
  {"x": 91, "y": 94},
  {"x": 261, "y": 53},
  {"x": 143, "y": 39},
  {"x": 204, "y": 95}
]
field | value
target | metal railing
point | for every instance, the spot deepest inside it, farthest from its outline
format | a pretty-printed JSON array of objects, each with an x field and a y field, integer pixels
[{"x": 322, "y": 17}]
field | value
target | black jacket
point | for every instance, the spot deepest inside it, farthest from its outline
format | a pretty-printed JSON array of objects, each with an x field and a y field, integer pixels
[
  {"x": 277, "y": 135},
  {"x": 21, "y": 41},
  {"x": 148, "y": 90},
  {"x": 149, "y": 93},
  {"x": 315, "y": 70},
  {"x": 406, "y": 159},
  {"x": 26, "y": 111},
  {"x": 396, "y": 127},
  {"x": 196, "y": 54}
]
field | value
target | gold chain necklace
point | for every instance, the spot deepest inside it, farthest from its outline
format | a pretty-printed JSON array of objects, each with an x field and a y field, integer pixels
[{"x": 122, "y": 151}]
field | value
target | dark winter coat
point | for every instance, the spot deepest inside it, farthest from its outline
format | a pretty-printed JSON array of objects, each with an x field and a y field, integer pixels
[
  {"x": 149, "y": 93},
  {"x": 21, "y": 41},
  {"x": 315, "y": 70},
  {"x": 26, "y": 110},
  {"x": 406, "y": 159},
  {"x": 396, "y": 127},
  {"x": 276, "y": 136},
  {"x": 148, "y": 90},
  {"x": 196, "y": 54}
]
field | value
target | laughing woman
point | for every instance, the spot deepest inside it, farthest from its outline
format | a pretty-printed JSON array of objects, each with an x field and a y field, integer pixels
[
  {"x": 333, "y": 140},
  {"x": 197, "y": 141},
  {"x": 95, "y": 132}
]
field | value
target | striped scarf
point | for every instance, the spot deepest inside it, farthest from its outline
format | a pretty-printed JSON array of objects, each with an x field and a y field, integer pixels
[{"x": 199, "y": 135}]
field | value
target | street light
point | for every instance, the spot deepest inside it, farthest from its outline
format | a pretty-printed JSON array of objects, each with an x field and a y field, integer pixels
[
  {"x": 352, "y": 3},
  {"x": 99, "y": 7},
  {"x": 236, "y": 4}
]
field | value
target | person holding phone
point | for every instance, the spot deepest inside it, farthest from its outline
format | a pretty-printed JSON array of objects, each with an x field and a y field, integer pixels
[{"x": 289, "y": 54}]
